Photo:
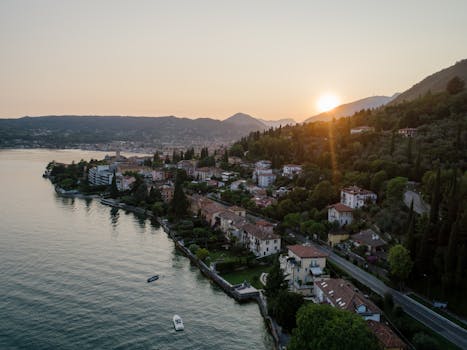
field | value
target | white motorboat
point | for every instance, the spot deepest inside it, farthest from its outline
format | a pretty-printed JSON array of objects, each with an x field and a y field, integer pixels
[{"x": 178, "y": 323}]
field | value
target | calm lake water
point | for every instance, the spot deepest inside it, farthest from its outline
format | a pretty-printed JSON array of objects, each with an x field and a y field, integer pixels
[{"x": 73, "y": 274}]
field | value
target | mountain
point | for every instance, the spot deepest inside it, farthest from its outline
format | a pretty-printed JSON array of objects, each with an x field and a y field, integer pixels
[
  {"x": 72, "y": 131},
  {"x": 277, "y": 123},
  {"x": 348, "y": 109},
  {"x": 435, "y": 83},
  {"x": 245, "y": 120}
]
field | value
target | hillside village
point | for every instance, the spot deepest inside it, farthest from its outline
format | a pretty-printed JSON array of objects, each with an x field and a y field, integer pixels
[{"x": 268, "y": 212}]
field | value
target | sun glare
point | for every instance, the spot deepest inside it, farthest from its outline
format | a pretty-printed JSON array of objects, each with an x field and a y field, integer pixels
[{"x": 327, "y": 102}]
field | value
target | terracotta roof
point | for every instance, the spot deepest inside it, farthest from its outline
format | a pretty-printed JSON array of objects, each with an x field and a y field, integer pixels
[
  {"x": 255, "y": 231},
  {"x": 356, "y": 190},
  {"x": 306, "y": 251},
  {"x": 341, "y": 207},
  {"x": 386, "y": 335},
  {"x": 345, "y": 296},
  {"x": 369, "y": 238}
]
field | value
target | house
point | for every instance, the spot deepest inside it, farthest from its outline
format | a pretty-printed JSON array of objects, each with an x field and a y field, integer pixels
[
  {"x": 263, "y": 164},
  {"x": 235, "y": 160},
  {"x": 337, "y": 237},
  {"x": 159, "y": 175},
  {"x": 361, "y": 129},
  {"x": 343, "y": 295},
  {"x": 259, "y": 241},
  {"x": 290, "y": 170},
  {"x": 227, "y": 176},
  {"x": 340, "y": 213},
  {"x": 237, "y": 185},
  {"x": 407, "y": 132},
  {"x": 387, "y": 338},
  {"x": 206, "y": 173},
  {"x": 188, "y": 166},
  {"x": 302, "y": 265},
  {"x": 208, "y": 208},
  {"x": 370, "y": 239},
  {"x": 262, "y": 174},
  {"x": 167, "y": 192},
  {"x": 356, "y": 197},
  {"x": 124, "y": 183},
  {"x": 265, "y": 179},
  {"x": 231, "y": 224},
  {"x": 280, "y": 192},
  {"x": 264, "y": 201},
  {"x": 100, "y": 175}
]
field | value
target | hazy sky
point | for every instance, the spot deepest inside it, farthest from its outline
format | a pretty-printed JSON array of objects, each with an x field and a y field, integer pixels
[{"x": 212, "y": 58}]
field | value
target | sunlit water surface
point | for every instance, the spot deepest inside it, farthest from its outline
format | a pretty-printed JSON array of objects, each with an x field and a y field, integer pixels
[{"x": 73, "y": 274}]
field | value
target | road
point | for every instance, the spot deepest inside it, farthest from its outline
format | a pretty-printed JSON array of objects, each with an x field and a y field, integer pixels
[
  {"x": 419, "y": 206},
  {"x": 449, "y": 330}
]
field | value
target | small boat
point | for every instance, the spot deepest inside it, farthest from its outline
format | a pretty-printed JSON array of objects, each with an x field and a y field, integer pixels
[
  {"x": 153, "y": 278},
  {"x": 178, "y": 323}
]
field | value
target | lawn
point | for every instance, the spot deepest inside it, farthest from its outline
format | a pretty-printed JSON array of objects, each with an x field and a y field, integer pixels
[{"x": 250, "y": 275}]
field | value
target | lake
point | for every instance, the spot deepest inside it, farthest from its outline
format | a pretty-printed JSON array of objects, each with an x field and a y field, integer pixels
[{"x": 73, "y": 274}]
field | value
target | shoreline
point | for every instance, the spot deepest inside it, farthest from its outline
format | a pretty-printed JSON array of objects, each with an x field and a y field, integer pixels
[{"x": 230, "y": 290}]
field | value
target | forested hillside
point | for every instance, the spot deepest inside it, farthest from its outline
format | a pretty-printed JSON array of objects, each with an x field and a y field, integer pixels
[{"x": 385, "y": 162}]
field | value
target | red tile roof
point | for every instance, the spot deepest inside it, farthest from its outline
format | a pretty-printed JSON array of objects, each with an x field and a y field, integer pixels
[
  {"x": 341, "y": 207},
  {"x": 356, "y": 190},
  {"x": 386, "y": 336},
  {"x": 306, "y": 251}
]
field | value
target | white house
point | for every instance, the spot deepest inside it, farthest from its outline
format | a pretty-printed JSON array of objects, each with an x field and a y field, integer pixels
[
  {"x": 124, "y": 183},
  {"x": 188, "y": 166},
  {"x": 407, "y": 132},
  {"x": 237, "y": 185},
  {"x": 227, "y": 175},
  {"x": 343, "y": 295},
  {"x": 100, "y": 175},
  {"x": 262, "y": 174},
  {"x": 340, "y": 213},
  {"x": 361, "y": 129},
  {"x": 260, "y": 241},
  {"x": 290, "y": 170},
  {"x": 356, "y": 197},
  {"x": 266, "y": 179},
  {"x": 303, "y": 264},
  {"x": 158, "y": 175}
]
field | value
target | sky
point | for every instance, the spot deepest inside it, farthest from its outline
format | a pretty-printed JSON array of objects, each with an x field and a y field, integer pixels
[{"x": 213, "y": 58}]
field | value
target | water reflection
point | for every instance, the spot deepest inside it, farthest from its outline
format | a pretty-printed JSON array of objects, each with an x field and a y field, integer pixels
[{"x": 114, "y": 215}]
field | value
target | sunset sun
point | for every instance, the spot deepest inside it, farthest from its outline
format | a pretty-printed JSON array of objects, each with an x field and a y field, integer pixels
[{"x": 327, "y": 102}]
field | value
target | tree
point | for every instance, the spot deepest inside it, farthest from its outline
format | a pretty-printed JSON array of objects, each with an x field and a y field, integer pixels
[
  {"x": 400, "y": 262},
  {"x": 323, "y": 194},
  {"x": 455, "y": 85},
  {"x": 283, "y": 308},
  {"x": 395, "y": 188},
  {"x": 275, "y": 281},
  {"x": 113, "y": 187},
  {"x": 179, "y": 204},
  {"x": 322, "y": 326},
  {"x": 202, "y": 254}
]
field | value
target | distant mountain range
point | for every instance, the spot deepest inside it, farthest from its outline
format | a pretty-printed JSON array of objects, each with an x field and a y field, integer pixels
[
  {"x": 435, "y": 83},
  {"x": 245, "y": 120},
  {"x": 71, "y": 131},
  {"x": 349, "y": 109}
]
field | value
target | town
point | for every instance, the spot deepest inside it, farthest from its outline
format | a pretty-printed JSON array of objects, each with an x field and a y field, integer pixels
[{"x": 221, "y": 207}]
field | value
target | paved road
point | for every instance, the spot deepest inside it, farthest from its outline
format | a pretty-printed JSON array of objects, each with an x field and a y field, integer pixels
[
  {"x": 449, "y": 330},
  {"x": 419, "y": 206}
]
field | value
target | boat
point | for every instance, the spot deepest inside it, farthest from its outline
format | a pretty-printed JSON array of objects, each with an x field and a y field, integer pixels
[
  {"x": 178, "y": 323},
  {"x": 153, "y": 278}
]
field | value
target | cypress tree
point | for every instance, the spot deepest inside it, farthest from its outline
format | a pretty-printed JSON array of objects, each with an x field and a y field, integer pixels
[
  {"x": 409, "y": 151},
  {"x": 393, "y": 143},
  {"x": 113, "y": 187},
  {"x": 436, "y": 199}
]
